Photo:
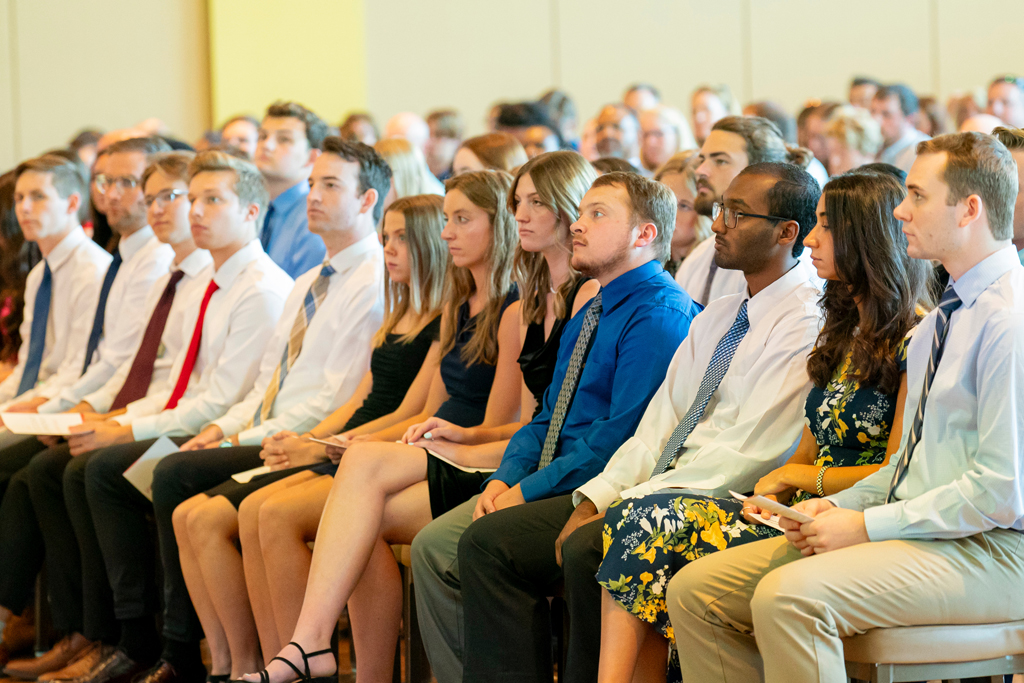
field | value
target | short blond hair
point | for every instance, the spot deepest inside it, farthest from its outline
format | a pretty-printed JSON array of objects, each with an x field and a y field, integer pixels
[
  {"x": 171, "y": 164},
  {"x": 249, "y": 184},
  {"x": 855, "y": 128}
]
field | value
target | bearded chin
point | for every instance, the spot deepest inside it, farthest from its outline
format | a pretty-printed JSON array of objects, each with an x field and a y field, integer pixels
[{"x": 703, "y": 203}]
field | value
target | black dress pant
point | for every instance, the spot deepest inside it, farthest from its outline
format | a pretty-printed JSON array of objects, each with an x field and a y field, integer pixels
[
  {"x": 21, "y": 547},
  {"x": 177, "y": 478},
  {"x": 15, "y": 452},
  {"x": 507, "y": 569}
]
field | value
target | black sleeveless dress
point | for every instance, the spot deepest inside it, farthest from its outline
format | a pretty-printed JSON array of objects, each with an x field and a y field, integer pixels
[
  {"x": 469, "y": 387},
  {"x": 394, "y": 365}
]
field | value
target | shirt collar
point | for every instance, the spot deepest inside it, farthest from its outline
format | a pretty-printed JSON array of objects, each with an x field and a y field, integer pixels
[
  {"x": 291, "y": 196},
  {"x": 776, "y": 293},
  {"x": 230, "y": 269},
  {"x": 353, "y": 254},
  {"x": 619, "y": 288},
  {"x": 976, "y": 280},
  {"x": 194, "y": 263},
  {"x": 62, "y": 252},
  {"x": 132, "y": 244}
]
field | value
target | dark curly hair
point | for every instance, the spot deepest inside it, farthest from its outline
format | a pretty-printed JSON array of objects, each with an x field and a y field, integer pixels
[
  {"x": 870, "y": 256},
  {"x": 17, "y": 257}
]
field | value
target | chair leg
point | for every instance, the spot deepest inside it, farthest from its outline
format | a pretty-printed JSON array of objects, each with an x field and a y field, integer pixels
[{"x": 417, "y": 667}]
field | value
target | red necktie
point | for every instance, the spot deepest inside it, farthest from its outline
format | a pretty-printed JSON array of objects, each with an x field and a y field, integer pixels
[
  {"x": 137, "y": 383},
  {"x": 193, "y": 351}
]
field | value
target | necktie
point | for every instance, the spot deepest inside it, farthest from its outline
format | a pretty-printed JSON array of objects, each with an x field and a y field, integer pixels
[
  {"x": 949, "y": 303},
  {"x": 101, "y": 309},
  {"x": 267, "y": 229},
  {"x": 193, "y": 351},
  {"x": 40, "y": 313},
  {"x": 314, "y": 297},
  {"x": 571, "y": 381},
  {"x": 137, "y": 383},
  {"x": 707, "y": 284},
  {"x": 719, "y": 365}
]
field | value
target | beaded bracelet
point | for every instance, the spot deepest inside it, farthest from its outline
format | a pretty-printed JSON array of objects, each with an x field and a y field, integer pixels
[{"x": 821, "y": 479}]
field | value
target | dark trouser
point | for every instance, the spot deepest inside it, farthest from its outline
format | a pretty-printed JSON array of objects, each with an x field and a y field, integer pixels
[
  {"x": 15, "y": 452},
  {"x": 21, "y": 547},
  {"x": 177, "y": 478},
  {"x": 507, "y": 569}
]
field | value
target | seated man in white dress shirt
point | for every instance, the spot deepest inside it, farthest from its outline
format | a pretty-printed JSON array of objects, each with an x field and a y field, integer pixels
[
  {"x": 734, "y": 143},
  {"x": 934, "y": 537},
  {"x": 752, "y": 420}
]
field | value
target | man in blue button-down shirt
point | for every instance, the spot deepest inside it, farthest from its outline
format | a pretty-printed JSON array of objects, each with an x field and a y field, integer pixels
[
  {"x": 289, "y": 142},
  {"x": 621, "y": 238}
]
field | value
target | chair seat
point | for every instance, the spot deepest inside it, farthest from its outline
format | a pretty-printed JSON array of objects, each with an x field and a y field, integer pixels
[
  {"x": 933, "y": 644},
  {"x": 403, "y": 554}
]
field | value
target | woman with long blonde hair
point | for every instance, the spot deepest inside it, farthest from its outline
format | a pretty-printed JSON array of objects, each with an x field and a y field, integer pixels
[
  {"x": 410, "y": 174},
  {"x": 404, "y": 359},
  {"x": 385, "y": 492}
]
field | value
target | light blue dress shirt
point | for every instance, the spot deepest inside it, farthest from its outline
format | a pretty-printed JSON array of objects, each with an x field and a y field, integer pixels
[
  {"x": 964, "y": 477},
  {"x": 292, "y": 246}
]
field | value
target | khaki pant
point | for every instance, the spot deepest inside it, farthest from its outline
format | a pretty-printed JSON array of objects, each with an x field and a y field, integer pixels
[{"x": 799, "y": 608}]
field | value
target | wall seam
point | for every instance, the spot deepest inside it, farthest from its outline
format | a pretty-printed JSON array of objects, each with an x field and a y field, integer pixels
[
  {"x": 15, "y": 80},
  {"x": 556, "y": 46},
  {"x": 747, "y": 50},
  {"x": 933, "y": 26}
]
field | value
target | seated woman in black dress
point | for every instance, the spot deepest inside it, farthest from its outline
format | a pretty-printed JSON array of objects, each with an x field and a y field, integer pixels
[
  {"x": 545, "y": 199},
  {"x": 404, "y": 359},
  {"x": 380, "y": 494},
  {"x": 854, "y": 424}
]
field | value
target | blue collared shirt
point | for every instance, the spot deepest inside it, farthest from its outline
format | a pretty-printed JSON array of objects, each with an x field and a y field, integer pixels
[
  {"x": 292, "y": 246},
  {"x": 645, "y": 316}
]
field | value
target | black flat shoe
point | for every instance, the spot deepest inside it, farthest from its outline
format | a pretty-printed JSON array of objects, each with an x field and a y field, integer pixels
[{"x": 304, "y": 677}]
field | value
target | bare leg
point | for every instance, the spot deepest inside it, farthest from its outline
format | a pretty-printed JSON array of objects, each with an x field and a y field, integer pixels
[
  {"x": 220, "y": 653},
  {"x": 375, "y": 607},
  {"x": 623, "y": 638},
  {"x": 288, "y": 521},
  {"x": 652, "y": 664},
  {"x": 351, "y": 525},
  {"x": 212, "y": 529},
  {"x": 252, "y": 557}
]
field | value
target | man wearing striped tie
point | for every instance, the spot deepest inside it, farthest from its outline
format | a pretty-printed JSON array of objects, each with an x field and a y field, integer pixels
[{"x": 934, "y": 537}]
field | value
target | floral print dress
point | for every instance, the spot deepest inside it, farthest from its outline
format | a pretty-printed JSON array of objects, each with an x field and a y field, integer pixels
[{"x": 648, "y": 539}]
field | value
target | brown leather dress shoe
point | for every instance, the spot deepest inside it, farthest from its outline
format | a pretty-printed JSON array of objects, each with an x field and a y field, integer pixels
[
  {"x": 59, "y": 656},
  {"x": 19, "y": 635},
  {"x": 84, "y": 662},
  {"x": 116, "y": 667},
  {"x": 163, "y": 672}
]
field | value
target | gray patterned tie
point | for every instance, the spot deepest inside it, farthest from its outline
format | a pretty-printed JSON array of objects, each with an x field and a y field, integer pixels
[
  {"x": 572, "y": 378},
  {"x": 949, "y": 303},
  {"x": 719, "y": 365}
]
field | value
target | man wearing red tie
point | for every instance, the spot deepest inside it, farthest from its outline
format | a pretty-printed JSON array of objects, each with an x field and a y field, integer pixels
[{"x": 229, "y": 322}]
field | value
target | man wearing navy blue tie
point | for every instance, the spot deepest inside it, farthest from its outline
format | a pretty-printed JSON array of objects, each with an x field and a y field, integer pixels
[{"x": 935, "y": 536}]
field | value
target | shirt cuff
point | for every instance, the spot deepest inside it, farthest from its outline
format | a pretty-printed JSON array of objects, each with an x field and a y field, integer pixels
[
  {"x": 55, "y": 405},
  {"x": 250, "y": 437},
  {"x": 881, "y": 523},
  {"x": 598, "y": 491},
  {"x": 145, "y": 428}
]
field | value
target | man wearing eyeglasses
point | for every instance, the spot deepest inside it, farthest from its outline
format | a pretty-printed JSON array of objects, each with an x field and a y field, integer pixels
[{"x": 1006, "y": 100}]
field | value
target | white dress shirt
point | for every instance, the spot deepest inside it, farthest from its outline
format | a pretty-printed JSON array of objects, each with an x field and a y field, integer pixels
[
  {"x": 335, "y": 352},
  {"x": 902, "y": 153},
  {"x": 692, "y": 275},
  {"x": 239, "y": 321},
  {"x": 77, "y": 267},
  {"x": 144, "y": 259},
  {"x": 965, "y": 473},
  {"x": 198, "y": 269},
  {"x": 751, "y": 421}
]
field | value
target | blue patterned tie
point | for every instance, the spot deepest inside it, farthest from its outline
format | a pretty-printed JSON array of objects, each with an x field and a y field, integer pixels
[
  {"x": 101, "y": 310},
  {"x": 719, "y": 365},
  {"x": 267, "y": 229},
  {"x": 40, "y": 313},
  {"x": 949, "y": 303},
  {"x": 570, "y": 382},
  {"x": 314, "y": 297}
]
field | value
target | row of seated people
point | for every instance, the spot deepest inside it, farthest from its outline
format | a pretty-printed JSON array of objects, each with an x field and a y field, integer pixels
[{"x": 562, "y": 372}]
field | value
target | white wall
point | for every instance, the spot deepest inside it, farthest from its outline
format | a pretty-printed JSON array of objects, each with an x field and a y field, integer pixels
[{"x": 425, "y": 54}]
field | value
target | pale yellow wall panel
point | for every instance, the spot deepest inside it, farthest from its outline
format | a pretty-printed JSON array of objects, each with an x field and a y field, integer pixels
[
  {"x": 109, "y": 63},
  {"x": 676, "y": 45},
  {"x": 466, "y": 54},
  {"x": 311, "y": 51},
  {"x": 978, "y": 40},
  {"x": 8, "y": 140},
  {"x": 809, "y": 48}
]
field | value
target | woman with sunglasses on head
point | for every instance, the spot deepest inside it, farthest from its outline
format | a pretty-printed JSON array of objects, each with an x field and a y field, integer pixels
[{"x": 872, "y": 301}]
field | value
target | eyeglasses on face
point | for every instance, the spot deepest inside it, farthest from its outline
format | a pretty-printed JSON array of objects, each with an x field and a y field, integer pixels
[
  {"x": 104, "y": 183},
  {"x": 732, "y": 216},
  {"x": 163, "y": 198}
]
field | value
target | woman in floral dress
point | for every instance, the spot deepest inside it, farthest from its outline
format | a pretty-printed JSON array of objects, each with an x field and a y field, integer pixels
[{"x": 853, "y": 414}]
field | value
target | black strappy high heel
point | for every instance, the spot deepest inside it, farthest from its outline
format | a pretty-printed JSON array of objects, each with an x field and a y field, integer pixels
[{"x": 304, "y": 677}]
